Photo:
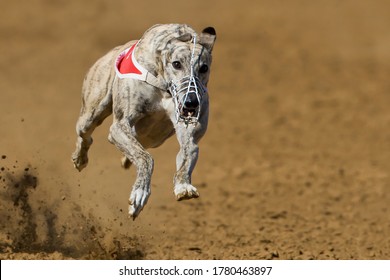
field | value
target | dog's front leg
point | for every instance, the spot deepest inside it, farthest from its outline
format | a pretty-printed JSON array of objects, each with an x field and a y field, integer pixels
[
  {"x": 185, "y": 163},
  {"x": 122, "y": 138}
]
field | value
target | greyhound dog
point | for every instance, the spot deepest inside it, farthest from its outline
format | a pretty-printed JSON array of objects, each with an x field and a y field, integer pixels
[{"x": 155, "y": 87}]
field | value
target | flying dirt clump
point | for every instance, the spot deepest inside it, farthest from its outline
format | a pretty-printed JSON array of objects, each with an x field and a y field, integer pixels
[
  {"x": 16, "y": 211},
  {"x": 35, "y": 225}
]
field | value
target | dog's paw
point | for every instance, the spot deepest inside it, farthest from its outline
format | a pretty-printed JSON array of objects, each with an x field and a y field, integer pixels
[
  {"x": 185, "y": 191},
  {"x": 125, "y": 162},
  {"x": 138, "y": 199},
  {"x": 79, "y": 162}
]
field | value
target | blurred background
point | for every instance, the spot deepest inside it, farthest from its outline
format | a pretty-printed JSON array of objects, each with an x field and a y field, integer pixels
[{"x": 295, "y": 164}]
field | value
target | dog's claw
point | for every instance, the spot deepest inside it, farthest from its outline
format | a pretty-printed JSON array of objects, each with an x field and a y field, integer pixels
[{"x": 138, "y": 199}]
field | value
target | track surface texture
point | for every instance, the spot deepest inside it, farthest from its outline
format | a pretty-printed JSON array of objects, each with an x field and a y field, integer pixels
[{"x": 295, "y": 163}]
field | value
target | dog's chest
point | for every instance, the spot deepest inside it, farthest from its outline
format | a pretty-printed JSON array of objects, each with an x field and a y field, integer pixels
[{"x": 153, "y": 129}]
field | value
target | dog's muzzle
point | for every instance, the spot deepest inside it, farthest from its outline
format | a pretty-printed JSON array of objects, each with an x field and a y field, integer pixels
[{"x": 187, "y": 95}]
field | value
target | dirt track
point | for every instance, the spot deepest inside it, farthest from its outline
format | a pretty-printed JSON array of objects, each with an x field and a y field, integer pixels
[{"x": 295, "y": 164}]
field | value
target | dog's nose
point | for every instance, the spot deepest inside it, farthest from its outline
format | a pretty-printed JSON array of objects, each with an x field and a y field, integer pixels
[{"x": 191, "y": 101}]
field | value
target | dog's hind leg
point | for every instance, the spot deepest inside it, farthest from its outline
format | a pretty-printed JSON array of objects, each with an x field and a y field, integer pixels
[
  {"x": 86, "y": 124},
  {"x": 89, "y": 119},
  {"x": 96, "y": 106},
  {"x": 121, "y": 136}
]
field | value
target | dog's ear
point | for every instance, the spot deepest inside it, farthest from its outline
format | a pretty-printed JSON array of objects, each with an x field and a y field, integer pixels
[{"x": 207, "y": 38}]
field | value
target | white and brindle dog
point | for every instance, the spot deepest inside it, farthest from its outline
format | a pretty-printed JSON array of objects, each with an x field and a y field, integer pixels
[{"x": 155, "y": 87}]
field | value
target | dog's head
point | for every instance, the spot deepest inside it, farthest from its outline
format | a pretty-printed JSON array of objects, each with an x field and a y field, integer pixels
[{"x": 183, "y": 60}]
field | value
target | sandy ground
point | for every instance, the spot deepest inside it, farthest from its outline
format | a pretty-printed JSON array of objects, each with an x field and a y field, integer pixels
[{"x": 295, "y": 164}]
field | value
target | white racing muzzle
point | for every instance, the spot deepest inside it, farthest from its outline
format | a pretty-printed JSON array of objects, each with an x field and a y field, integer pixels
[{"x": 187, "y": 94}]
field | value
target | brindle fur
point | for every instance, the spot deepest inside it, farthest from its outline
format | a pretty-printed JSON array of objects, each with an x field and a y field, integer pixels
[{"x": 144, "y": 115}]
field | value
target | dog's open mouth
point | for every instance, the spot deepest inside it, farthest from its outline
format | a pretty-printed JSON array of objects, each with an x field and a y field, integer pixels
[{"x": 188, "y": 113}]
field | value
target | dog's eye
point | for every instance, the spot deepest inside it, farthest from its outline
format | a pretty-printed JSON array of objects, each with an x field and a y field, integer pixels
[
  {"x": 203, "y": 69},
  {"x": 176, "y": 65}
]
